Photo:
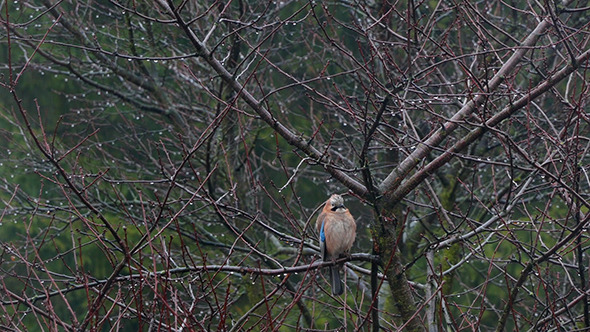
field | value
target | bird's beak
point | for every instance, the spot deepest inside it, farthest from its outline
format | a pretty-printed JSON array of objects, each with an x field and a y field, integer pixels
[{"x": 336, "y": 207}]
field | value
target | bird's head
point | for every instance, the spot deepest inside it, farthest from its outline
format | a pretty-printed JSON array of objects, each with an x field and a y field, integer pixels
[{"x": 336, "y": 202}]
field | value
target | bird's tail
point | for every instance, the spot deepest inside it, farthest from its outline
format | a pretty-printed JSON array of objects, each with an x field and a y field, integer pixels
[{"x": 335, "y": 280}]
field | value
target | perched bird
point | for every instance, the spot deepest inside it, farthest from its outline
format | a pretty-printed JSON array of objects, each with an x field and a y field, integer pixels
[{"x": 337, "y": 230}]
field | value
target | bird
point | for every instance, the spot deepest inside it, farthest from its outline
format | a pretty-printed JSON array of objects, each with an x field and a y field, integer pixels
[{"x": 337, "y": 231}]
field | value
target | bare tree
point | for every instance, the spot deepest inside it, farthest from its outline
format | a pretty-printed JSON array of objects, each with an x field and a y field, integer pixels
[{"x": 164, "y": 162}]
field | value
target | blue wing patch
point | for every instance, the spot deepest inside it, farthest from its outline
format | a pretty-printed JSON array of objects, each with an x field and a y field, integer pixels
[{"x": 322, "y": 234}]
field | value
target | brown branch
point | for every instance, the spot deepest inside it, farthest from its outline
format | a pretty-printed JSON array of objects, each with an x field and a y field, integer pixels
[
  {"x": 361, "y": 257},
  {"x": 29, "y": 303}
]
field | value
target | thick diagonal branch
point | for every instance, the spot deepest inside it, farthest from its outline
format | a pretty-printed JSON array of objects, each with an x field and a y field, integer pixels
[
  {"x": 412, "y": 182},
  {"x": 393, "y": 180}
]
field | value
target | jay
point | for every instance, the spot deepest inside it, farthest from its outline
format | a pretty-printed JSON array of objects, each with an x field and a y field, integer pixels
[{"x": 337, "y": 230}]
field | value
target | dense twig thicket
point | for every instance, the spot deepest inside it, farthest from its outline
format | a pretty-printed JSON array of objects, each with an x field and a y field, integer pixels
[{"x": 164, "y": 161}]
